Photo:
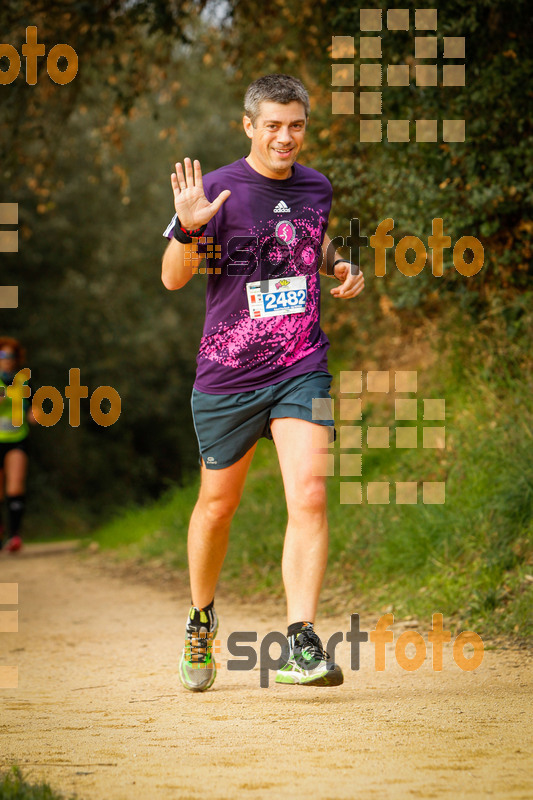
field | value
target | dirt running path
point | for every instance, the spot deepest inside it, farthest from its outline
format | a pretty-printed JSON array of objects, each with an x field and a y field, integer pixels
[{"x": 99, "y": 709}]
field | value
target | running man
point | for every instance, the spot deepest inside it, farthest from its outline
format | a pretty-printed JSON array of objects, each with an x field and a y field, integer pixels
[
  {"x": 262, "y": 360},
  {"x": 13, "y": 446}
]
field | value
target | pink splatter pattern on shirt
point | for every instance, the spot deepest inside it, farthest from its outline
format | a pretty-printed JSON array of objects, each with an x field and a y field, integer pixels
[{"x": 243, "y": 342}]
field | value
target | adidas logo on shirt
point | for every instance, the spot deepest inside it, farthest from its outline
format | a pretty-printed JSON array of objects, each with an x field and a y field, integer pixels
[{"x": 281, "y": 208}]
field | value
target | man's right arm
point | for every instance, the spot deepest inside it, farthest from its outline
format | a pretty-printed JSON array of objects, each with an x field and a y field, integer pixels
[
  {"x": 194, "y": 211},
  {"x": 180, "y": 262}
]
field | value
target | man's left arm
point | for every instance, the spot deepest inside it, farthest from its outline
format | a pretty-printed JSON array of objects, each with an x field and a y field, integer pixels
[{"x": 335, "y": 266}]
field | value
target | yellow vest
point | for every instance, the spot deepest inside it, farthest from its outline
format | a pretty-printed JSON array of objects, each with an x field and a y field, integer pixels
[{"x": 8, "y": 431}]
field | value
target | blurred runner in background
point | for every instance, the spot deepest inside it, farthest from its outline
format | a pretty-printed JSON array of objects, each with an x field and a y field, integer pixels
[{"x": 13, "y": 446}]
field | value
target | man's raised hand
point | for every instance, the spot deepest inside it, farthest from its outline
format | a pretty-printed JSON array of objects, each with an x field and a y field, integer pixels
[{"x": 192, "y": 206}]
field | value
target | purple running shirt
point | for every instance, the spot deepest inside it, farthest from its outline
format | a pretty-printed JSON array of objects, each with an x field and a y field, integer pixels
[{"x": 266, "y": 229}]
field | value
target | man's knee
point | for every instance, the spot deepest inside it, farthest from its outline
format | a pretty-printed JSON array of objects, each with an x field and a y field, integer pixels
[
  {"x": 309, "y": 497},
  {"x": 217, "y": 508}
]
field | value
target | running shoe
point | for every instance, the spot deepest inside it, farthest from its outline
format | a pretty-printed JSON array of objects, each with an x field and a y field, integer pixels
[
  {"x": 13, "y": 544},
  {"x": 197, "y": 663},
  {"x": 308, "y": 663}
]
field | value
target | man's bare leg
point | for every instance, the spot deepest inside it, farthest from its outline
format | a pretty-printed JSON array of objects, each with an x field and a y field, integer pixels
[
  {"x": 16, "y": 468},
  {"x": 219, "y": 498},
  {"x": 305, "y": 550}
]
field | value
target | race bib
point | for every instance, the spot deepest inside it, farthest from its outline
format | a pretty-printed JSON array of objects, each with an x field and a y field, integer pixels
[{"x": 277, "y": 296}]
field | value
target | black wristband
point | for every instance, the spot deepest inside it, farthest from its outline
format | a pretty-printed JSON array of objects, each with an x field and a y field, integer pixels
[
  {"x": 184, "y": 235},
  {"x": 347, "y": 261}
]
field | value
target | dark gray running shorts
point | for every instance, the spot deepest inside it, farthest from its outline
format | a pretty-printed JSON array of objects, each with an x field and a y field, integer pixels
[{"x": 228, "y": 425}]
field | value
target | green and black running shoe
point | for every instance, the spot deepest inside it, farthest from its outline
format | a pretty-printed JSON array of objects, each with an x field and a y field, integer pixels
[
  {"x": 197, "y": 663},
  {"x": 308, "y": 663}
]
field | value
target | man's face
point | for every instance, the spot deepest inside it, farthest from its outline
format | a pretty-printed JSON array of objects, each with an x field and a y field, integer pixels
[{"x": 277, "y": 138}]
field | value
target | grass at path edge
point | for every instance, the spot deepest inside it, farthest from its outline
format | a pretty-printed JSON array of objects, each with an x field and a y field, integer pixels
[{"x": 13, "y": 786}]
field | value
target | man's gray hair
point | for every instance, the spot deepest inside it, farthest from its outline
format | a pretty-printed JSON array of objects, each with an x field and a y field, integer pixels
[{"x": 276, "y": 89}]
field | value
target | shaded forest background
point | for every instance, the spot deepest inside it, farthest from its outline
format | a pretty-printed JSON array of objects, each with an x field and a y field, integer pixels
[{"x": 89, "y": 164}]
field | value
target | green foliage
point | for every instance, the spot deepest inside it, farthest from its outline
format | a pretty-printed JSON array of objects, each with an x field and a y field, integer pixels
[
  {"x": 481, "y": 187},
  {"x": 88, "y": 271},
  {"x": 13, "y": 786},
  {"x": 471, "y": 557},
  {"x": 114, "y": 42}
]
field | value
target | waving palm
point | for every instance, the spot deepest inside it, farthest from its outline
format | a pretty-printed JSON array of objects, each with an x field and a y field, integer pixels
[{"x": 192, "y": 206}]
